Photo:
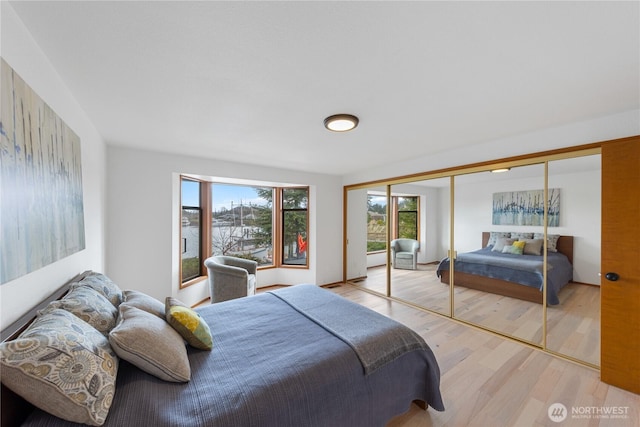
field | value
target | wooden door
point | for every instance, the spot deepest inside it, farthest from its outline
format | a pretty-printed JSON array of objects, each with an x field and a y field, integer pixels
[{"x": 620, "y": 296}]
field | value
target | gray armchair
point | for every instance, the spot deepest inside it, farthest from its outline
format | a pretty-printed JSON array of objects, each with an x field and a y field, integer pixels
[
  {"x": 404, "y": 253},
  {"x": 230, "y": 277}
]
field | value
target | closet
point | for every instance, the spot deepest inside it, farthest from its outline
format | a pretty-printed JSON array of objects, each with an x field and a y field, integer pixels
[{"x": 588, "y": 194}]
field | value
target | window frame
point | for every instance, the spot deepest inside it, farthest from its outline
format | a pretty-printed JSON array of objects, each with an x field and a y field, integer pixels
[
  {"x": 397, "y": 211},
  {"x": 206, "y": 209},
  {"x": 282, "y": 211}
]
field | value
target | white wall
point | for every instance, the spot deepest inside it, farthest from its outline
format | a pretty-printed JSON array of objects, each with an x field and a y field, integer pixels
[
  {"x": 26, "y": 58},
  {"x": 144, "y": 217},
  {"x": 598, "y": 129}
]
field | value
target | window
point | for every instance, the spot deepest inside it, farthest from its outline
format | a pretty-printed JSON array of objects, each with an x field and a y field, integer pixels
[
  {"x": 242, "y": 223},
  {"x": 294, "y": 225},
  {"x": 190, "y": 235},
  {"x": 266, "y": 224},
  {"x": 404, "y": 219},
  {"x": 376, "y": 222}
]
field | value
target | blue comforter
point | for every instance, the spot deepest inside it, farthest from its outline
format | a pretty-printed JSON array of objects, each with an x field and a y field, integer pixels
[
  {"x": 276, "y": 365},
  {"x": 526, "y": 270}
]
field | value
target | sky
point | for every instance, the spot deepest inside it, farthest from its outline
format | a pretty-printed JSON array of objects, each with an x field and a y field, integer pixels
[{"x": 223, "y": 195}]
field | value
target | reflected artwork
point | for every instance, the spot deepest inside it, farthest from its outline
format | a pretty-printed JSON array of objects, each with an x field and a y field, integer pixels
[{"x": 526, "y": 208}]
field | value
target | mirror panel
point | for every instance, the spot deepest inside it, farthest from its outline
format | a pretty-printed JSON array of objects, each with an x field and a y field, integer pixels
[
  {"x": 366, "y": 238},
  {"x": 486, "y": 288},
  {"x": 421, "y": 212},
  {"x": 573, "y": 325}
]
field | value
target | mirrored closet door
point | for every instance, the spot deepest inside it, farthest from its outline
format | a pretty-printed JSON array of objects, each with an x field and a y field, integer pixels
[
  {"x": 420, "y": 220},
  {"x": 573, "y": 324},
  {"x": 549, "y": 299},
  {"x": 499, "y": 274},
  {"x": 366, "y": 243}
]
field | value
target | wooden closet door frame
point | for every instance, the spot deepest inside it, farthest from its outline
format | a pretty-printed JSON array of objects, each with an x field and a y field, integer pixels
[{"x": 620, "y": 299}]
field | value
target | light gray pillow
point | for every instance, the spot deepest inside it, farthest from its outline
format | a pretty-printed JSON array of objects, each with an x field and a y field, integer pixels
[
  {"x": 501, "y": 242},
  {"x": 532, "y": 246},
  {"x": 151, "y": 344},
  {"x": 144, "y": 302},
  {"x": 102, "y": 284},
  {"x": 90, "y": 306},
  {"x": 63, "y": 366},
  {"x": 495, "y": 235}
]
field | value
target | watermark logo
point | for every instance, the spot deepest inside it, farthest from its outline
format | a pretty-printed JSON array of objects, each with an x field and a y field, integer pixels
[{"x": 557, "y": 412}]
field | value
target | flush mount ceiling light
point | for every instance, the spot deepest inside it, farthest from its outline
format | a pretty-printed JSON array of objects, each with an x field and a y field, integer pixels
[
  {"x": 341, "y": 122},
  {"x": 500, "y": 170}
]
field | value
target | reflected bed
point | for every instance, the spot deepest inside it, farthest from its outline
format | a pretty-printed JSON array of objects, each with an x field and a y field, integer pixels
[{"x": 516, "y": 276}]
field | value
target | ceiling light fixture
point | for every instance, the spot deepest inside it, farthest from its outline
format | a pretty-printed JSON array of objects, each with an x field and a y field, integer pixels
[
  {"x": 341, "y": 122},
  {"x": 500, "y": 170}
]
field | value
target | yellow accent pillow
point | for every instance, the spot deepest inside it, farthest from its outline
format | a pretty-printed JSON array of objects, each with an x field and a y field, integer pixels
[
  {"x": 188, "y": 323},
  {"x": 519, "y": 244}
]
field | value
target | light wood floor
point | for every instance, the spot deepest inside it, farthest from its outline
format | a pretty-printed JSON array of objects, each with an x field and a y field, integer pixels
[
  {"x": 488, "y": 380},
  {"x": 573, "y": 326}
]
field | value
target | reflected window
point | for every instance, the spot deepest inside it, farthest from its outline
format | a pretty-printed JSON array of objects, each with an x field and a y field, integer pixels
[
  {"x": 406, "y": 217},
  {"x": 376, "y": 222}
]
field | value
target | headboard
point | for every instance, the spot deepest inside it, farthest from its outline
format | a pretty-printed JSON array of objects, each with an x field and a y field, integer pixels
[{"x": 564, "y": 245}]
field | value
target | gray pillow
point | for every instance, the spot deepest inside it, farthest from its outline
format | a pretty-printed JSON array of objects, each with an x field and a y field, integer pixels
[
  {"x": 63, "y": 366},
  {"x": 90, "y": 306},
  {"x": 533, "y": 246},
  {"x": 151, "y": 344},
  {"x": 494, "y": 235},
  {"x": 144, "y": 302},
  {"x": 501, "y": 242}
]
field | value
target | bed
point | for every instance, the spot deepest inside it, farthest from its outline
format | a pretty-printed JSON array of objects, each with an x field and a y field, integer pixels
[
  {"x": 516, "y": 276},
  {"x": 296, "y": 356}
]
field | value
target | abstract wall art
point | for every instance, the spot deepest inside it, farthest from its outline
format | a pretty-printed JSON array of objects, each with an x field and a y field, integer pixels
[
  {"x": 526, "y": 208},
  {"x": 41, "y": 204}
]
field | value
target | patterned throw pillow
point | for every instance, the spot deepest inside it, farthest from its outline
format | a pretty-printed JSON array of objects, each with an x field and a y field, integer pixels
[
  {"x": 522, "y": 236},
  {"x": 151, "y": 344},
  {"x": 189, "y": 324},
  {"x": 63, "y": 366},
  {"x": 552, "y": 240},
  {"x": 90, "y": 306},
  {"x": 144, "y": 302},
  {"x": 102, "y": 284}
]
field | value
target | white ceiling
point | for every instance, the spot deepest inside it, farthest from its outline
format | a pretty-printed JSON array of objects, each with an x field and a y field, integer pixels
[{"x": 253, "y": 81}]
